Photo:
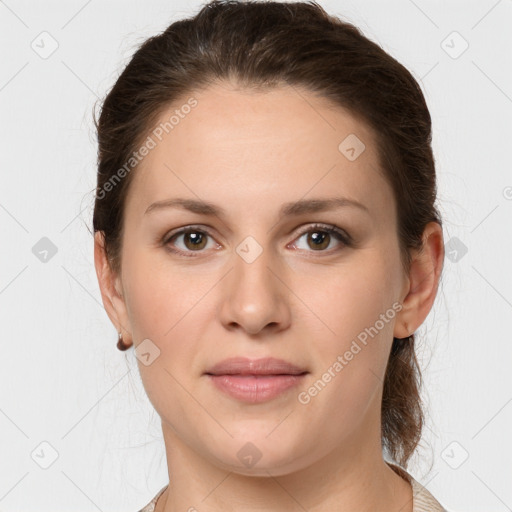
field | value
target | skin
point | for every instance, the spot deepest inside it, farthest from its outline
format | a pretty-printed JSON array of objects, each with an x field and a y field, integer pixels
[{"x": 250, "y": 152}]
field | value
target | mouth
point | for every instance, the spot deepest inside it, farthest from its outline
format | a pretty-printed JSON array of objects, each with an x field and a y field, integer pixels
[
  {"x": 263, "y": 366},
  {"x": 255, "y": 380}
]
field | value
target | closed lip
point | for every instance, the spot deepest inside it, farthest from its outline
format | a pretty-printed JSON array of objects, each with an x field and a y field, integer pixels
[{"x": 263, "y": 366}]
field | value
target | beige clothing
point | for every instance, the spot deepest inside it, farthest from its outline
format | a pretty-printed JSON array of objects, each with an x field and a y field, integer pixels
[{"x": 422, "y": 500}]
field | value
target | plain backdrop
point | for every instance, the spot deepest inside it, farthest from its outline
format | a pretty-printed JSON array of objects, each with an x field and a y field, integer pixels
[{"x": 77, "y": 430}]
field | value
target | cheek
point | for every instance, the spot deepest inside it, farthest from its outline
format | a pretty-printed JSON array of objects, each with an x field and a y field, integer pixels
[
  {"x": 164, "y": 305},
  {"x": 348, "y": 301},
  {"x": 351, "y": 330},
  {"x": 172, "y": 308},
  {"x": 159, "y": 297}
]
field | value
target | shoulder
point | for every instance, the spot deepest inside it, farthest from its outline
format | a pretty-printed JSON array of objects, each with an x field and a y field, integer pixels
[
  {"x": 150, "y": 507},
  {"x": 423, "y": 501}
]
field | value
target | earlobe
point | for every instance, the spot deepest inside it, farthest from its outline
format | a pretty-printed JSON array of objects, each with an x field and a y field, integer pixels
[{"x": 424, "y": 276}]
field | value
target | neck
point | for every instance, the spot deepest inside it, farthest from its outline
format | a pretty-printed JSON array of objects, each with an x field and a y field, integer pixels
[{"x": 355, "y": 478}]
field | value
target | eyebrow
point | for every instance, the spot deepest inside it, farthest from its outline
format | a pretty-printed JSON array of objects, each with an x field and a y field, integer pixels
[{"x": 287, "y": 209}]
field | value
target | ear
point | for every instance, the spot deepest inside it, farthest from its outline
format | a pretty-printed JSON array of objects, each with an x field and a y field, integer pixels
[
  {"x": 111, "y": 289},
  {"x": 423, "y": 281}
]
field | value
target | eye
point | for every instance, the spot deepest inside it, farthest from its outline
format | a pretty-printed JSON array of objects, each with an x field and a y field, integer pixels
[
  {"x": 319, "y": 237},
  {"x": 194, "y": 240}
]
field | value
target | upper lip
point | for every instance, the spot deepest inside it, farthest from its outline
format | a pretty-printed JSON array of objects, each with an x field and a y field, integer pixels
[{"x": 247, "y": 366}]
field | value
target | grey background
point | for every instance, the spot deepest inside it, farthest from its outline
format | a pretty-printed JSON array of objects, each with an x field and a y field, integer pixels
[{"x": 63, "y": 382}]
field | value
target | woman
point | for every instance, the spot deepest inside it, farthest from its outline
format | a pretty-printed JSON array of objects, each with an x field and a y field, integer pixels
[{"x": 266, "y": 238}]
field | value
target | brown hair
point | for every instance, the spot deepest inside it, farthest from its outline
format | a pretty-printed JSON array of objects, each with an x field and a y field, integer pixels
[{"x": 262, "y": 45}]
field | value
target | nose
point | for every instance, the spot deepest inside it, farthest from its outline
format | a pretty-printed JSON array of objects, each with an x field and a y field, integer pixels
[{"x": 255, "y": 296}]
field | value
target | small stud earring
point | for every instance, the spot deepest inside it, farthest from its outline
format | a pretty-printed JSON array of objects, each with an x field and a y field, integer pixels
[{"x": 121, "y": 345}]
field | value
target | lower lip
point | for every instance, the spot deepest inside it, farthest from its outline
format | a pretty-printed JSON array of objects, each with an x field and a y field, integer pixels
[{"x": 255, "y": 388}]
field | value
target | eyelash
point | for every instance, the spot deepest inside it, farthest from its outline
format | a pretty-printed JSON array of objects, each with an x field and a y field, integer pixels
[{"x": 343, "y": 237}]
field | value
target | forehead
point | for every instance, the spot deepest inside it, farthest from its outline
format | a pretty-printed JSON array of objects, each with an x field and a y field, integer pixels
[{"x": 245, "y": 145}]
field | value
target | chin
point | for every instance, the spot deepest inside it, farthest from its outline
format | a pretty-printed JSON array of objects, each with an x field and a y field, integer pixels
[{"x": 254, "y": 455}]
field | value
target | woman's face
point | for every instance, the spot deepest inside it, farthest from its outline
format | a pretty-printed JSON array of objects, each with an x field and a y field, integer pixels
[{"x": 258, "y": 280}]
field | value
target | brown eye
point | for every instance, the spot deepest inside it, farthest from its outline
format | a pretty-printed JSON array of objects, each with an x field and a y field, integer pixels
[
  {"x": 187, "y": 241},
  {"x": 194, "y": 240},
  {"x": 319, "y": 238}
]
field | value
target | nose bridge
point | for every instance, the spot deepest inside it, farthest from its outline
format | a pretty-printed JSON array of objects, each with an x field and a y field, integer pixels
[{"x": 251, "y": 274}]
